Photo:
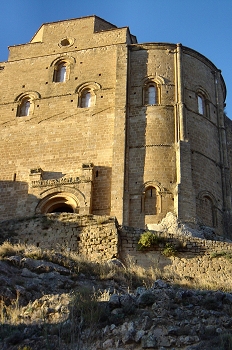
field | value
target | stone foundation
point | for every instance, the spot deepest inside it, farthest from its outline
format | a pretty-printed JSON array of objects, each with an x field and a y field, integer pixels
[{"x": 99, "y": 238}]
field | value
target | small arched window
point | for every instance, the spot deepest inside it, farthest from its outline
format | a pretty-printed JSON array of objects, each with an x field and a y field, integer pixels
[
  {"x": 207, "y": 209},
  {"x": 151, "y": 94},
  {"x": 150, "y": 201},
  {"x": 87, "y": 94},
  {"x": 25, "y": 108},
  {"x": 87, "y": 98},
  {"x": 61, "y": 72},
  {"x": 202, "y": 104},
  {"x": 26, "y": 103}
]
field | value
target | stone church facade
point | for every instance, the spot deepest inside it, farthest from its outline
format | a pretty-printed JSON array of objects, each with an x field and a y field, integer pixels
[{"x": 93, "y": 122}]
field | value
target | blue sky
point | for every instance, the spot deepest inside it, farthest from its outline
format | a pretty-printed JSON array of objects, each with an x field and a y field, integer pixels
[{"x": 203, "y": 25}]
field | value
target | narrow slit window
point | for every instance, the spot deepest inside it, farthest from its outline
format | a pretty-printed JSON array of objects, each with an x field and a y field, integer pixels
[
  {"x": 151, "y": 94},
  {"x": 201, "y": 107}
]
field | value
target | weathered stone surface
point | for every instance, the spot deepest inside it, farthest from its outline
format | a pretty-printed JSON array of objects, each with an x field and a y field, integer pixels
[
  {"x": 120, "y": 152},
  {"x": 149, "y": 342},
  {"x": 114, "y": 301},
  {"x": 146, "y": 298}
]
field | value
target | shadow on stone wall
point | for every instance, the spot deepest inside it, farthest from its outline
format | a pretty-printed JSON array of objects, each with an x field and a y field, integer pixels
[
  {"x": 101, "y": 195},
  {"x": 15, "y": 201},
  {"x": 47, "y": 175}
]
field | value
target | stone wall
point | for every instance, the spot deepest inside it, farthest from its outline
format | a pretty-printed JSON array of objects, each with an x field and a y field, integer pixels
[
  {"x": 59, "y": 135},
  {"x": 99, "y": 238},
  {"x": 193, "y": 261},
  {"x": 91, "y": 236}
]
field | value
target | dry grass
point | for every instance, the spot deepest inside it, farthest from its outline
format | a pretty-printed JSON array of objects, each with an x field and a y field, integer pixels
[
  {"x": 131, "y": 275},
  {"x": 8, "y": 249},
  {"x": 10, "y": 314},
  {"x": 84, "y": 311}
]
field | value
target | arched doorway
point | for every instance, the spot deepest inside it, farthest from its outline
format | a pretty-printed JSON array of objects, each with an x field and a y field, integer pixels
[
  {"x": 60, "y": 208},
  {"x": 58, "y": 203}
]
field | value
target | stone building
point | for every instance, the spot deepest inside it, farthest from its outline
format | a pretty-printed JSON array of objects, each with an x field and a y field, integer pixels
[{"x": 93, "y": 122}]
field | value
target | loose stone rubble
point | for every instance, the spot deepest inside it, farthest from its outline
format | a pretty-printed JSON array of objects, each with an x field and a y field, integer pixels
[{"x": 162, "y": 316}]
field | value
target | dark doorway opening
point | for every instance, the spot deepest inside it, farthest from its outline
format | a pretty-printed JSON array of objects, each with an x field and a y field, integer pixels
[{"x": 61, "y": 208}]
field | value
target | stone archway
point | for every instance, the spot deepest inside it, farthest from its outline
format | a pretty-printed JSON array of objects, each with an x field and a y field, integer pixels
[{"x": 58, "y": 202}]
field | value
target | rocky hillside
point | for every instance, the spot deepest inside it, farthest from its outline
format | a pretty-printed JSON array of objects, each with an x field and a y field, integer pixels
[{"x": 53, "y": 301}]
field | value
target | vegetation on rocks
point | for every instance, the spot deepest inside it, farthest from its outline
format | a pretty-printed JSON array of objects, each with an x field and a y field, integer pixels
[
  {"x": 148, "y": 240},
  {"x": 226, "y": 255}
]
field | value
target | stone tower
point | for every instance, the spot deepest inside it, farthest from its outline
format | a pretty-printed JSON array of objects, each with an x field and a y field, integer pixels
[{"x": 94, "y": 123}]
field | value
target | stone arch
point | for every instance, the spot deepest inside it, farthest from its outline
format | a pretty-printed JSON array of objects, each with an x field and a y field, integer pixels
[
  {"x": 153, "y": 183},
  {"x": 61, "y": 198},
  {"x": 203, "y": 101},
  {"x": 64, "y": 58},
  {"x": 32, "y": 94},
  {"x": 199, "y": 89},
  {"x": 152, "y": 97},
  {"x": 61, "y": 68},
  {"x": 155, "y": 78},
  {"x": 151, "y": 200},
  {"x": 207, "y": 209},
  {"x": 87, "y": 94},
  {"x": 25, "y": 103}
]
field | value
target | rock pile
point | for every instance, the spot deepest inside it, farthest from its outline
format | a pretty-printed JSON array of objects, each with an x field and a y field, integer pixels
[
  {"x": 166, "y": 317},
  {"x": 162, "y": 316},
  {"x": 171, "y": 224}
]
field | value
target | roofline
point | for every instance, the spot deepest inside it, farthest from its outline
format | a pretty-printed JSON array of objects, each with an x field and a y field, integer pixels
[{"x": 71, "y": 19}]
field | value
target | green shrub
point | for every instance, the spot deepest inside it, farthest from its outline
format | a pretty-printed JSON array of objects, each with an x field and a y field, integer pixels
[
  {"x": 226, "y": 255},
  {"x": 169, "y": 250},
  {"x": 148, "y": 240}
]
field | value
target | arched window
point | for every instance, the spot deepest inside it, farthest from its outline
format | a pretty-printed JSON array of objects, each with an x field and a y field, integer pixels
[
  {"x": 25, "y": 107},
  {"x": 202, "y": 104},
  {"x": 87, "y": 98},
  {"x": 61, "y": 72},
  {"x": 26, "y": 103},
  {"x": 206, "y": 209},
  {"x": 151, "y": 94},
  {"x": 87, "y": 94},
  {"x": 150, "y": 201}
]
